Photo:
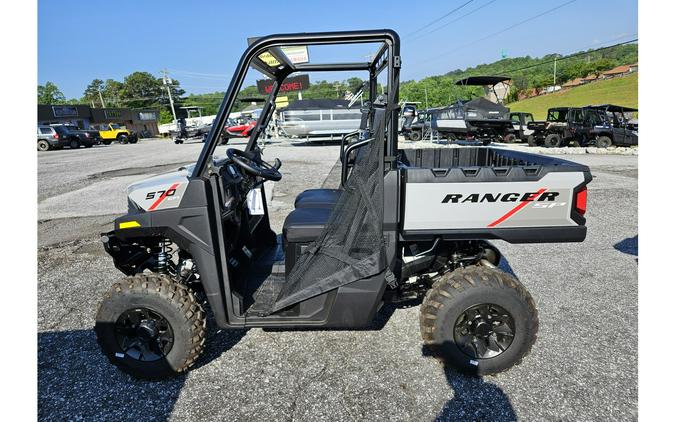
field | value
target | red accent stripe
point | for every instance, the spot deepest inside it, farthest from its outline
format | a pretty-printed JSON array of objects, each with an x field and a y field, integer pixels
[
  {"x": 516, "y": 209},
  {"x": 161, "y": 198}
]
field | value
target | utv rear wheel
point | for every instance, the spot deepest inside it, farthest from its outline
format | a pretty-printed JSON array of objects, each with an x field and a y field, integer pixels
[
  {"x": 43, "y": 145},
  {"x": 479, "y": 320},
  {"x": 415, "y": 136},
  {"x": 531, "y": 141},
  {"x": 603, "y": 142},
  {"x": 150, "y": 326},
  {"x": 552, "y": 141},
  {"x": 122, "y": 139},
  {"x": 510, "y": 138}
]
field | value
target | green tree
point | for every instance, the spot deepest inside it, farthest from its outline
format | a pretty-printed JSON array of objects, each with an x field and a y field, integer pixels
[
  {"x": 91, "y": 93},
  {"x": 165, "y": 116},
  {"x": 141, "y": 89},
  {"x": 49, "y": 93},
  {"x": 112, "y": 93}
]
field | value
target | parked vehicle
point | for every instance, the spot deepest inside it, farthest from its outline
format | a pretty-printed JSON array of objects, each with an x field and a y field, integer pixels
[
  {"x": 113, "y": 132},
  {"x": 520, "y": 132},
  {"x": 617, "y": 128},
  {"x": 420, "y": 127},
  {"x": 185, "y": 131},
  {"x": 405, "y": 225},
  {"x": 48, "y": 138},
  {"x": 602, "y": 126},
  {"x": 408, "y": 115},
  {"x": 240, "y": 129},
  {"x": 57, "y": 136},
  {"x": 319, "y": 118},
  {"x": 479, "y": 118}
]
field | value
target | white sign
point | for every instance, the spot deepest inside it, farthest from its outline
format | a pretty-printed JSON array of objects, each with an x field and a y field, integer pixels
[
  {"x": 296, "y": 54},
  {"x": 254, "y": 202}
]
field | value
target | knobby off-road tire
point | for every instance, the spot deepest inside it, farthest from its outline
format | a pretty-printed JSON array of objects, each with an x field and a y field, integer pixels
[
  {"x": 457, "y": 293},
  {"x": 531, "y": 141},
  {"x": 158, "y": 295},
  {"x": 603, "y": 142},
  {"x": 415, "y": 136},
  {"x": 122, "y": 139},
  {"x": 553, "y": 141}
]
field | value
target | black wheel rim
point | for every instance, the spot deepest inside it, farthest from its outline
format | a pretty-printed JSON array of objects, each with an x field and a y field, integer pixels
[
  {"x": 484, "y": 331},
  {"x": 144, "y": 334}
]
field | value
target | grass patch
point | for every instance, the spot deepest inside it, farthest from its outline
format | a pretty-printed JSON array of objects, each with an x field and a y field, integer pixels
[{"x": 619, "y": 91}]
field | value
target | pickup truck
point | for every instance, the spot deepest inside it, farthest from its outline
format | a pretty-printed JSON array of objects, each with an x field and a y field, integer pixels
[{"x": 113, "y": 132}]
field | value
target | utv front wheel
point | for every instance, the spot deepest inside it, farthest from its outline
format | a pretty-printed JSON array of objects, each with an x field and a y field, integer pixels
[
  {"x": 480, "y": 320},
  {"x": 151, "y": 327},
  {"x": 122, "y": 139},
  {"x": 603, "y": 142},
  {"x": 415, "y": 136},
  {"x": 553, "y": 141}
]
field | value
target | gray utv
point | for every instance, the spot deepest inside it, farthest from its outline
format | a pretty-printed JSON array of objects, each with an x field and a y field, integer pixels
[{"x": 405, "y": 225}]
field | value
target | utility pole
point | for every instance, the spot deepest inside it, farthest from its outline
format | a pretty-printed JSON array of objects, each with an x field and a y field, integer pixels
[
  {"x": 101, "y": 97},
  {"x": 555, "y": 68},
  {"x": 167, "y": 83}
]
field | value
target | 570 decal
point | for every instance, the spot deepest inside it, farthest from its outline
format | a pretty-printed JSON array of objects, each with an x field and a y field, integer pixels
[{"x": 160, "y": 193}]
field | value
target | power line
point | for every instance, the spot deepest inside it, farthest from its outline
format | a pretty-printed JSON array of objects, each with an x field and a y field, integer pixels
[
  {"x": 581, "y": 53},
  {"x": 452, "y": 21},
  {"x": 438, "y": 19},
  {"x": 186, "y": 72},
  {"x": 440, "y": 56}
]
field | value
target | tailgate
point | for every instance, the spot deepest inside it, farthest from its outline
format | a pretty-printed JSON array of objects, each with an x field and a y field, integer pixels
[{"x": 486, "y": 193}]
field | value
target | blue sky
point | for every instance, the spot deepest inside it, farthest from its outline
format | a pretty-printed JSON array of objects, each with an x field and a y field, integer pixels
[{"x": 200, "y": 41}]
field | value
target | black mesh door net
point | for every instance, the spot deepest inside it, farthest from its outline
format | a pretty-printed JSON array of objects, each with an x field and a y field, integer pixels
[{"x": 351, "y": 247}]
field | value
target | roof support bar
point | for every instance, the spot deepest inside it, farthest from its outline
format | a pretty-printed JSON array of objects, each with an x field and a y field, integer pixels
[
  {"x": 279, "y": 54},
  {"x": 331, "y": 67},
  {"x": 262, "y": 67}
]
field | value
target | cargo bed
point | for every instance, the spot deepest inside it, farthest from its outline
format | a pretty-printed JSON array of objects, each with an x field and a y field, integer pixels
[{"x": 491, "y": 193}]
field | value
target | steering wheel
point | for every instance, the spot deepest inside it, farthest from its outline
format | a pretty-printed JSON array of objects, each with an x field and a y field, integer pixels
[{"x": 252, "y": 164}]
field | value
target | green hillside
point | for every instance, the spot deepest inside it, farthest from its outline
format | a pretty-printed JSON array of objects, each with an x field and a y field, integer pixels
[{"x": 619, "y": 91}]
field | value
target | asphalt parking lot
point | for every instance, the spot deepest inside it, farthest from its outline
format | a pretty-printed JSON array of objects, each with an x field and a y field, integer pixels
[{"x": 582, "y": 367}]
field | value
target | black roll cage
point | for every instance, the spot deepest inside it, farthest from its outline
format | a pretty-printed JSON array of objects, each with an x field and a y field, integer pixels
[{"x": 388, "y": 56}]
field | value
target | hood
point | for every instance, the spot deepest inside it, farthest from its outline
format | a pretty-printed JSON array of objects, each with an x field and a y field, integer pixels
[{"x": 159, "y": 192}]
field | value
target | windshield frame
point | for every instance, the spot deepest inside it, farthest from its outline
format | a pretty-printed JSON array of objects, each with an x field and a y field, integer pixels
[{"x": 387, "y": 57}]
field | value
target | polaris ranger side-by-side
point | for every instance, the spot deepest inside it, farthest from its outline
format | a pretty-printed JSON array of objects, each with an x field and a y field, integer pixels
[
  {"x": 602, "y": 126},
  {"x": 404, "y": 225}
]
